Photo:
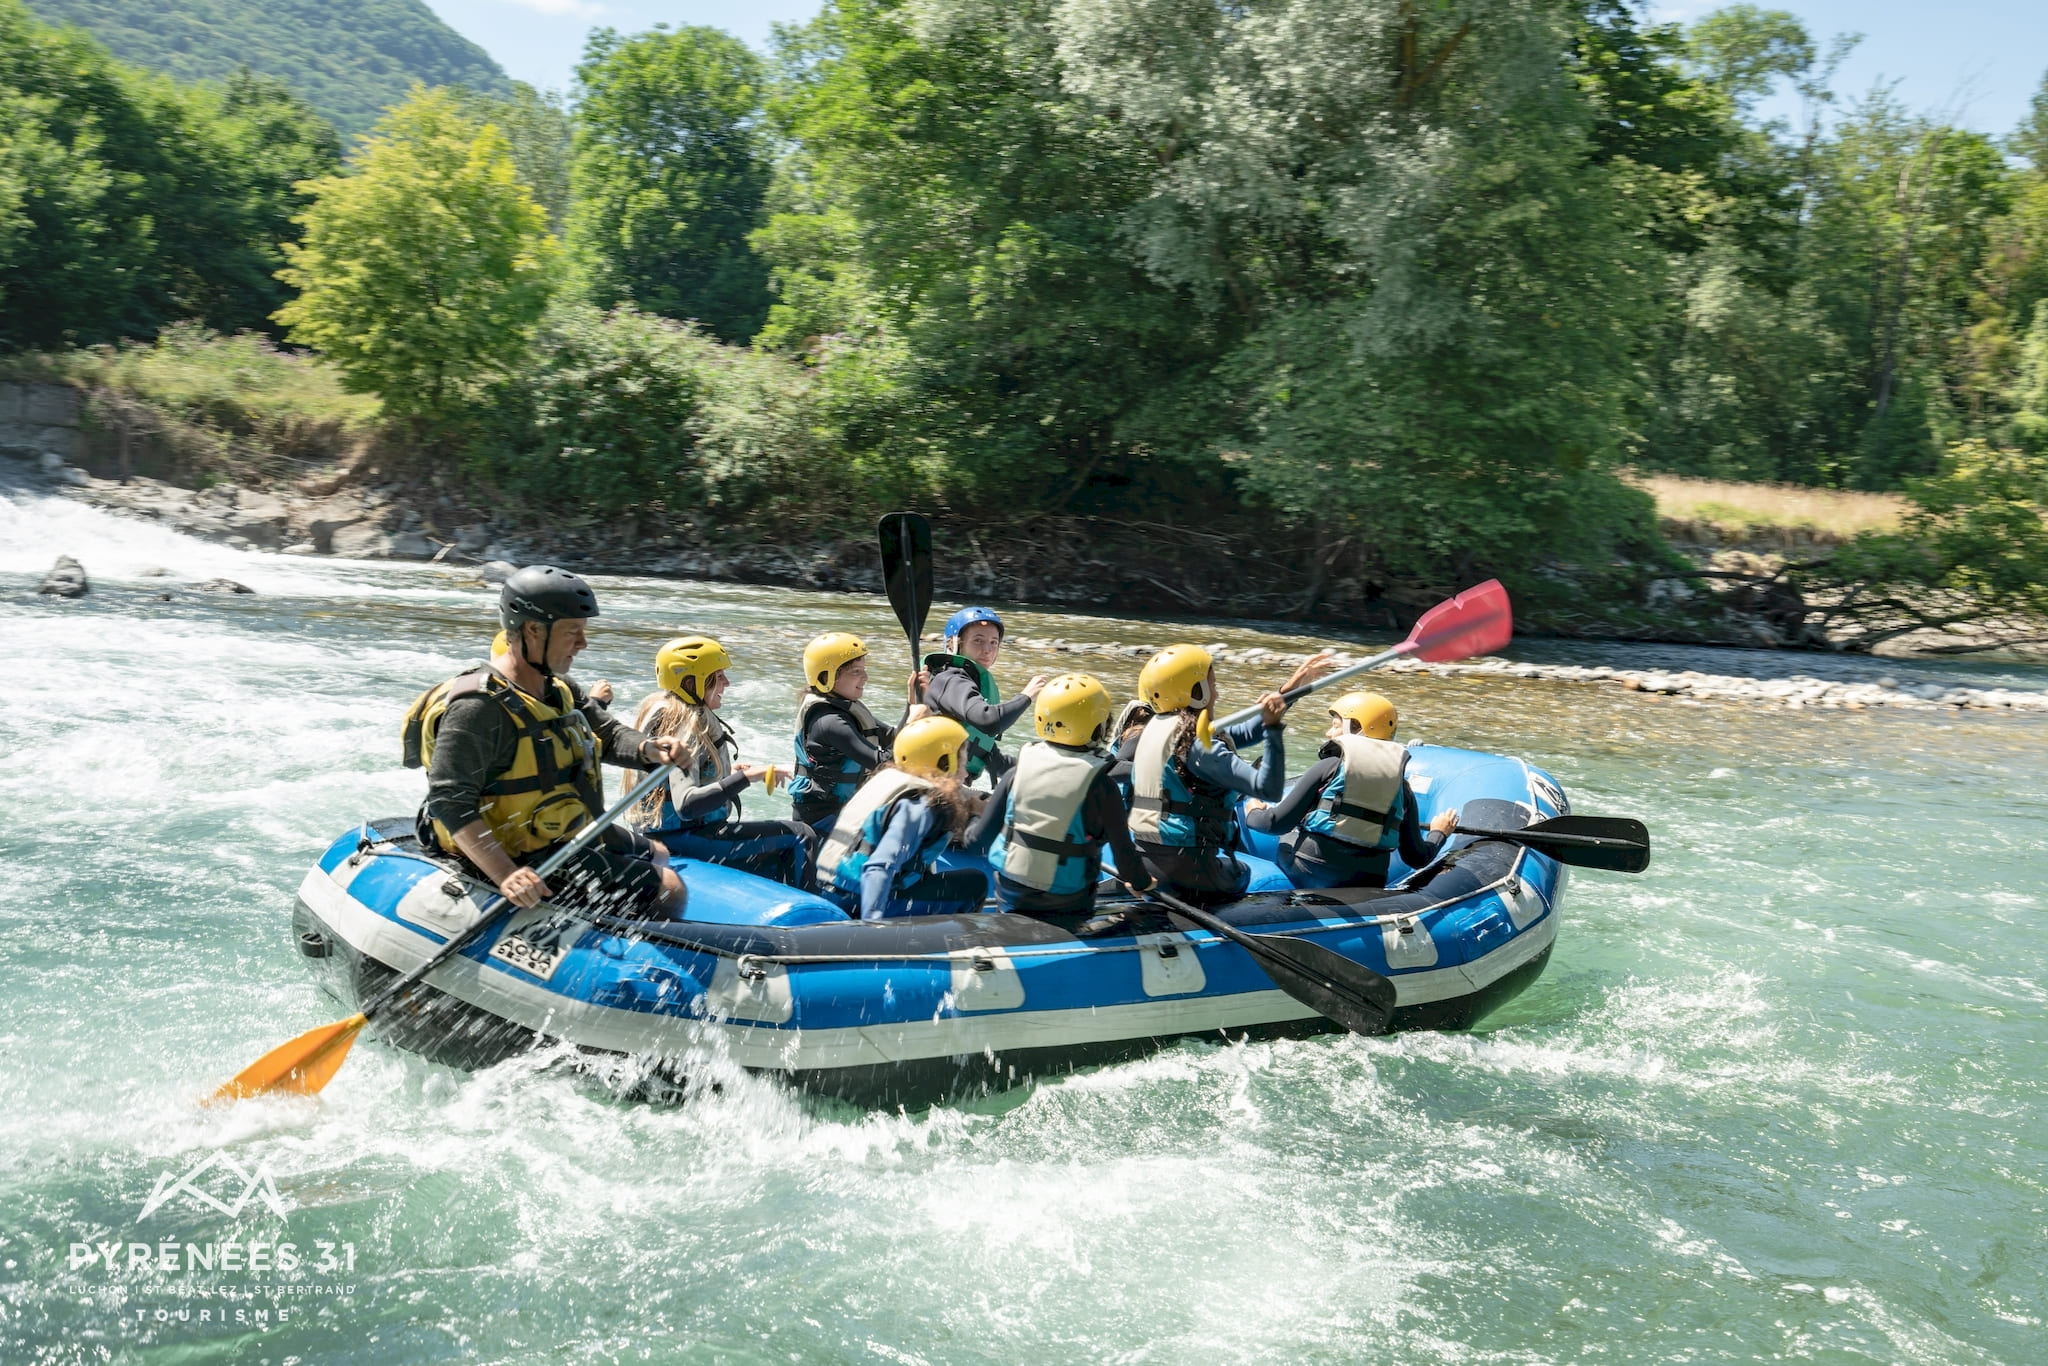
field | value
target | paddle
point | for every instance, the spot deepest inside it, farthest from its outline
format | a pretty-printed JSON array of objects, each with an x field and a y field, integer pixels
[
  {"x": 906, "y": 541},
  {"x": 1614, "y": 843},
  {"x": 1476, "y": 622},
  {"x": 1325, "y": 981},
  {"x": 306, "y": 1064}
]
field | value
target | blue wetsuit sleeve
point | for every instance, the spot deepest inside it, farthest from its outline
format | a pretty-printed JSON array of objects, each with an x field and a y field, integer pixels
[
  {"x": 1283, "y": 815},
  {"x": 1245, "y": 734},
  {"x": 1266, "y": 779},
  {"x": 909, "y": 825}
]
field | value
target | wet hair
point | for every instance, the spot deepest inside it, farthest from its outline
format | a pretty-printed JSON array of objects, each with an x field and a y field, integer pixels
[
  {"x": 949, "y": 800},
  {"x": 1138, "y": 717},
  {"x": 663, "y": 713}
]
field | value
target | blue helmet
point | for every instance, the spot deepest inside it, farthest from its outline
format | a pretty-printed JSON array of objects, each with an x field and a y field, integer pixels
[{"x": 968, "y": 616}]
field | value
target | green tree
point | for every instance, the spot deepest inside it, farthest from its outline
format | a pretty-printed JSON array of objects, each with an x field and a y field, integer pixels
[
  {"x": 426, "y": 269},
  {"x": 147, "y": 202},
  {"x": 668, "y": 176},
  {"x": 537, "y": 125}
]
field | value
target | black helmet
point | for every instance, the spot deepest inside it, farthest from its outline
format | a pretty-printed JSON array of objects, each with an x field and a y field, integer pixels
[{"x": 543, "y": 593}]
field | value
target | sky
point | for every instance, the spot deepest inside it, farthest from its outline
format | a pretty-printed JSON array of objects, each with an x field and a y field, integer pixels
[{"x": 1977, "y": 61}]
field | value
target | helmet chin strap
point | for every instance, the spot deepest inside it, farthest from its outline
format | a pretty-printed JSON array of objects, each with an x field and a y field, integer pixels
[{"x": 547, "y": 641}]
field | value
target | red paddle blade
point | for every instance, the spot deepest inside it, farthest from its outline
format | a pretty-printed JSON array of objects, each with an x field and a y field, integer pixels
[{"x": 1476, "y": 622}]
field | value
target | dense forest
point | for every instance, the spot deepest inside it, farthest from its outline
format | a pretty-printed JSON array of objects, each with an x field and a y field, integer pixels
[
  {"x": 1403, "y": 283},
  {"x": 349, "y": 59}
]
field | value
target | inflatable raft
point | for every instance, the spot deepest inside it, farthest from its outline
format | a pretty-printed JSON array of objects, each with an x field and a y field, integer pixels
[{"x": 911, "y": 1011}]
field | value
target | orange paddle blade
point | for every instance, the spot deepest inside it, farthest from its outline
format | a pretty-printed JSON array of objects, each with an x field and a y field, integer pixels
[
  {"x": 1476, "y": 622},
  {"x": 300, "y": 1067}
]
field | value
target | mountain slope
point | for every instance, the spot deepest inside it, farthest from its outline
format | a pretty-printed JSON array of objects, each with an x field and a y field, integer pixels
[{"x": 349, "y": 58}]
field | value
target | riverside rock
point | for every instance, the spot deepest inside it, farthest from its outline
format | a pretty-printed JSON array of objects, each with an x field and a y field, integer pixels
[{"x": 66, "y": 579}]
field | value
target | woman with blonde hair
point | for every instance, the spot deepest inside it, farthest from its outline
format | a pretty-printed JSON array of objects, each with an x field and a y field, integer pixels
[{"x": 696, "y": 815}]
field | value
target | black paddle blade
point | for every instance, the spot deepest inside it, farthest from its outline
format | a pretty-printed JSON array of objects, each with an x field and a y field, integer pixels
[
  {"x": 1614, "y": 844},
  {"x": 1325, "y": 981},
  {"x": 906, "y": 542}
]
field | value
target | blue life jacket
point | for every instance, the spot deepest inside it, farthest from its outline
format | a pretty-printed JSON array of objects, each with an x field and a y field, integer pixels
[
  {"x": 1167, "y": 809},
  {"x": 829, "y": 778}
]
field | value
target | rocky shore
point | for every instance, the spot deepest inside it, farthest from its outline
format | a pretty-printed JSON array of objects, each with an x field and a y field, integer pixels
[{"x": 1796, "y": 691}]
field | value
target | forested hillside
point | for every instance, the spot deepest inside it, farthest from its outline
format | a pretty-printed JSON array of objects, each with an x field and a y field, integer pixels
[{"x": 349, "y": 59}]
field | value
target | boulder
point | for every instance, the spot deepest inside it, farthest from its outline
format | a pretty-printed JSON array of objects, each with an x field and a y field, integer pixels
[
  {"x": 360, "y": 541},
  {"x": 497, "y": 571},
  {"x": 221, "y": 586},
  {"x": 66, "y": 579},
  {"x": 412, "y": 545}
]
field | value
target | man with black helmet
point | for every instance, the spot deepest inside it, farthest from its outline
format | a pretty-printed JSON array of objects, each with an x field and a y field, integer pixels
[{"x": 512, "y": 750}]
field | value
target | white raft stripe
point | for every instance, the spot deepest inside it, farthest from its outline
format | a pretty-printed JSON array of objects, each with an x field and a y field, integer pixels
[{"x": 504, "y": 994}]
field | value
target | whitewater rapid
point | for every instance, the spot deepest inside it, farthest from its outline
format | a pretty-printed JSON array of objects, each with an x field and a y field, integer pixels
[{"x": 1778, "y": 1098}]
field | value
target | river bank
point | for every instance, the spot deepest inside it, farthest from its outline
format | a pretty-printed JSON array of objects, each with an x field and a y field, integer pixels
[{"x": 352, "y": 509}]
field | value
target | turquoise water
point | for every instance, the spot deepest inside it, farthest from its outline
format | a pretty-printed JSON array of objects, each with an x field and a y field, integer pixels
[{"x": 1776, "y": 1099}]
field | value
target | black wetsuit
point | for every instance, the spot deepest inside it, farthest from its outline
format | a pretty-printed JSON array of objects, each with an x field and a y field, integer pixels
[
  {"x": 955, "y": 692},
  {"x": 829, "y": 736},
  {"x": 1312, "y": 860}
]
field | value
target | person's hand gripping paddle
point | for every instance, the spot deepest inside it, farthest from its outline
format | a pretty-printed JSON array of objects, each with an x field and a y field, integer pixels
[{"x": 306, "y": 1064}]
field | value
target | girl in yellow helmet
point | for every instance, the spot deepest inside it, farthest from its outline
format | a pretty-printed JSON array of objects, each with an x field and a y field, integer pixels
[
  {"x": 880, "y": 860},
  {"x": 839, "y": 742},
  {"x": 1342, "y": 822},
  {"x": 1184, "y": 788},
  {"x": 697, "y": 814}
]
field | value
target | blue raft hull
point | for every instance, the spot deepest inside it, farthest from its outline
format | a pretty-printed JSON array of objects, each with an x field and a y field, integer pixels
[{"x": 908, "y": 1012}]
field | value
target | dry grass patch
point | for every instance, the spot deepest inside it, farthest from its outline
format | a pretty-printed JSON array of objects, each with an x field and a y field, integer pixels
[{"x": 1754, "y": 511}]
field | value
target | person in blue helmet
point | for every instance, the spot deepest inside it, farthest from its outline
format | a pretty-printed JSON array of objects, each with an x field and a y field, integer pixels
[{"x": 961, "y": 687}]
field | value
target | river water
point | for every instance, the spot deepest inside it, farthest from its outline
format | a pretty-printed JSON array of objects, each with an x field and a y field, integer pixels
[{"x": 1779, "y": 1098}]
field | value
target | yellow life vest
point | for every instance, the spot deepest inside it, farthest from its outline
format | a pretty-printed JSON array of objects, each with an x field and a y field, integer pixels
[{"x": 552, "y": 788}]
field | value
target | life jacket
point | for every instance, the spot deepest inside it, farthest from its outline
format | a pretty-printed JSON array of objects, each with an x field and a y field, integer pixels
[
  {"x": 1043, "y": 844},
  {"x": 1168, "y": 806},
  {"x": 1361, "y": 805},
  {"x": 713, "y": 765},
  {"x": 830, "y": 778},
  {"x": 980, "y": 744},
  {"x": 865, "y": 819},
  {"x": 552, "y": 788}
]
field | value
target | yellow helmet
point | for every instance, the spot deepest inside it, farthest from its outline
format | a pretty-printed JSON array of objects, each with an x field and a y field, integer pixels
[
  {"x": 1073, "y": 709},
  {"x": 689, "y": 660},
  {"x": 1372, "y": 714},
  {"x": 1176, "y": 678},
  {"x": 932, "y": 744},
  {"x": 827, "y": 655}
]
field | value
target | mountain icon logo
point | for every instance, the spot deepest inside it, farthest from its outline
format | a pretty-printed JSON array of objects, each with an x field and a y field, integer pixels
[{"x": 256, "y": 1185}]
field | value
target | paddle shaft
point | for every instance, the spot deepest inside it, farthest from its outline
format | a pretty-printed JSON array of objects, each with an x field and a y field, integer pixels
[
  {"x": 1330, "y": 984},
  {"x": 1296, "y": 694},
  {"x": 1524, "y": 837},
  {"x": 499, "y": 907}
]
